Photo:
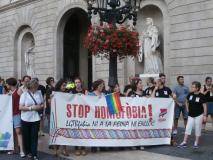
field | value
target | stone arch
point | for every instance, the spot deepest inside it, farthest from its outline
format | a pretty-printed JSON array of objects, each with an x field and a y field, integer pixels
[
  {"x": 57, "y": 29},
  {"x": 23, "y": 41},
  {"x": 61, "y": 23}
]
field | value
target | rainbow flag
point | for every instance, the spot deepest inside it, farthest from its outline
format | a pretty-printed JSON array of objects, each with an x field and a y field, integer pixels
[{"x": 113, "y": 102}]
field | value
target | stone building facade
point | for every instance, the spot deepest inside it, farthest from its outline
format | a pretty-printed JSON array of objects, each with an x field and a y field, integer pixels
[{"x": 58, "y": 27}]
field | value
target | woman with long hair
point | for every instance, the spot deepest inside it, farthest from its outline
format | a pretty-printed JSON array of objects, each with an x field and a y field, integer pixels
[{"x": 61, "y": 87}]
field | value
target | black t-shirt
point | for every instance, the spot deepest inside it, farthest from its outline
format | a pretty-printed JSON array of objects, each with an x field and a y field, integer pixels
[
  {"x": 208, "y": 95},
  {"x": 49, "y": 90},
  {"x": 195, "y": 104},
  {"x": 134, "y": 94},
  {"x": 149, "y": 90},
  {"x": 42, "y": 89},
  {"x": 164, "y": 92},
  {"x": 74, "y": 91}
]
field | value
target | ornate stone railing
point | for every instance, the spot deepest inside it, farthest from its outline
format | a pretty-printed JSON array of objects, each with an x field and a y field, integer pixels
[{"x": 15, "y": 4}]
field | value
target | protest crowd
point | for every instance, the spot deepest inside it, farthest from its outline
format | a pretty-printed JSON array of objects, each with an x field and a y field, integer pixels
[{"x": 32, "y": 106}]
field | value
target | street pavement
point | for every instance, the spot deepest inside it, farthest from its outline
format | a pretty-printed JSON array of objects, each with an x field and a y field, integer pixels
[{"x": 205, "y": 152}]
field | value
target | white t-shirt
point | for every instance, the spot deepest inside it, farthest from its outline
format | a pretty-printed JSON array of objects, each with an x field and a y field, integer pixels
[{"x": 26, "y": 100}]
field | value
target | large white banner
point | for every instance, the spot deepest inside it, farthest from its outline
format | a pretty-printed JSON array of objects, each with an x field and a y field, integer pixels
[
  {"x": 85, "y": 121},
  {"x": 6, "y": 123}
]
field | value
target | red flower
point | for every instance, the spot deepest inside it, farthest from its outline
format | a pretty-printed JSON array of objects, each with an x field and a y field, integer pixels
[{"x": 120, "y": 41}]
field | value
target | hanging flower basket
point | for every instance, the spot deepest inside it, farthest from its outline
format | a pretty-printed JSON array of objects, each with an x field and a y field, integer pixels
[{"x": 107, "y": 40}]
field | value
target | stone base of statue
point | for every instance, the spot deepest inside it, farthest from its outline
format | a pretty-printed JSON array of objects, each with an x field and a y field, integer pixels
[{"x": 148, "y": 75}]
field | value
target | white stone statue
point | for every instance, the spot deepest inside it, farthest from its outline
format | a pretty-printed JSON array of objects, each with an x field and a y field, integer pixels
[
  {"x": 29, "y": 61},
  {"x": 148, "y": 52}
]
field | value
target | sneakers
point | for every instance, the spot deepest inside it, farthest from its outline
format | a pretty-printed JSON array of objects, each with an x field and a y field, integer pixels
[
  {"x": 22, "y": 155},
  {"x": 182, "y": 145},
  {"x": 83, "y": 152},
  {"x": 195, "y": 146},
  {"x": 141, "y": 148},
  {"x": 35, "y": 158},
  {"x": 10, "y": 152},
  {"x": 174, "y": 132},
  {"x": 77, "y": 152},
  {"x": 41, "y": 133}
]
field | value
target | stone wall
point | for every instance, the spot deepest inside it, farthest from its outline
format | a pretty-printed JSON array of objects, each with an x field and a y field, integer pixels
[
  {"x": 187, "y": 33},
  {"x": 191, "y": 39},
  {"x": 42, "y": 16}
]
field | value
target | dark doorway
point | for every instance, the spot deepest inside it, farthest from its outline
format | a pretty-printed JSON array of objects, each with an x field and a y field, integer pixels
[{"x": 71, "y": 47}]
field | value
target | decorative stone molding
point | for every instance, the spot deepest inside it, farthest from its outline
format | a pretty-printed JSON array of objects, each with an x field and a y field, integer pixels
[{"x": 16, "y": 4}]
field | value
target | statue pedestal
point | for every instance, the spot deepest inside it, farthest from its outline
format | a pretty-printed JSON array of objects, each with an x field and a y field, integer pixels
[{"x": 148, "y": 75}]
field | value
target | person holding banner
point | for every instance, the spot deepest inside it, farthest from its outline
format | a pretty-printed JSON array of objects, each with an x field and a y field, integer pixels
[
  {"x": 197, "y": 114},
  {"x": 97, "y": 90},
  {"x": 116, "y": 88},
  {"x": 80, "y": 91},
  {"x": 161, "y": 91},
  {"x": 61, "y": 87},
  {"x": 11, "y": 84},
  {"x": 151, "y": 86},
  {"x": 30, "y": 103},
  {"x": 127, "y": 90},
  {"x": 137, "y": 87}
]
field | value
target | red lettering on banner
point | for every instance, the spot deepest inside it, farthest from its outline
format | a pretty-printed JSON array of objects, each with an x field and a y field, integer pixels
[
  {"x": 143, "y": 112},
  {"x": 128, "y": 112},
  {"x": 69, "y": 112},
  {"x": 77, "y": 111},
  {"x": 80, "y": 111},
  {"x": 150, "y": 111},
  {"x": 103, "y": 112},
  {"x": 87, "y": 110},
  {"x": 97, "y": 112}
]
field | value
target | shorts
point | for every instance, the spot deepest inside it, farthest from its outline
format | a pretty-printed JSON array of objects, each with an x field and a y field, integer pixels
[
  {"x": 179, "y": 109},
  {"x": 210, "y": 108},
  {"x": 17, "y": 121}
]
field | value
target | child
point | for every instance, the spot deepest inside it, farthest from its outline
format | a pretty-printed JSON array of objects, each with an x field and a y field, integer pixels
[{"x": 197, "y": 114}]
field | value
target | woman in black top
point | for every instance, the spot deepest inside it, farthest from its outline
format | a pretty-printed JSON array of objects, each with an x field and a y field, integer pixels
[
  {"x": 80, "y": 91},
  {"x": 210, "y": 103},
  {"x": 207, "y": 91},
  {"x": 151, "y": 86},
  {"x": 161, "y": 91},
  {"x": 49, "y": 89},
  {"x": 61, "y": 87},
  {"x": 127, "y": 90},
  {"x": 197, "y": 112},
  {"x": 137, "y": 88},
  {"x": 137, "y": 91},
  {"x": 116, "y": 88}
]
